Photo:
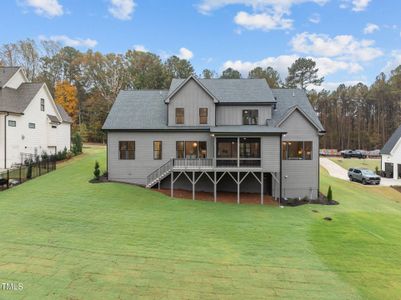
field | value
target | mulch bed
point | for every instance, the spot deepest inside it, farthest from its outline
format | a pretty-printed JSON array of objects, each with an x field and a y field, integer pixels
[
  {"x": 297, "y": 202},
  {"x": 101, "y": 179}
]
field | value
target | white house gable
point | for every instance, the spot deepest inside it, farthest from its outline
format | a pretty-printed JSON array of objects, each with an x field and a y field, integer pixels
[{"x": 16, "y": 80}]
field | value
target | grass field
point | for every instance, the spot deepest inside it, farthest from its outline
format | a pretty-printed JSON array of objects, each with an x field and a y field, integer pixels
[
  {"x": 369, "y": 163},
  {"x": 64, "y": 238}
]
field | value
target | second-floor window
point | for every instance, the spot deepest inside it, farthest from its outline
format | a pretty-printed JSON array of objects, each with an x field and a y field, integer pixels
[
  {"x": 42, "y": 104},
  {"x": 32, "y": 125},
  {"x": 250, "y": 117},
  {"x": 157, "y": 150},
  {"x": 179, "y": 115},
  {"x": 297, "y": 150},
  {"x": 203, "y": 112},
  {"x": 127, "y": 150},
  {"x": 12, "y": 123}
]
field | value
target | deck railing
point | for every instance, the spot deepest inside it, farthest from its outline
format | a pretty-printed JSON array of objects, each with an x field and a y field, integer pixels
[{"x": 193, "y": 163}]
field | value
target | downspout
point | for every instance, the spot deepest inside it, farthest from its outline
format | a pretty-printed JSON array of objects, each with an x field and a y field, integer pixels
[{"x": 5, "y": 140}]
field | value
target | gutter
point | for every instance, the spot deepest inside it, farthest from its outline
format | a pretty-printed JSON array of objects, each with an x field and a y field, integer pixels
[{"x": 5, "y": 139}]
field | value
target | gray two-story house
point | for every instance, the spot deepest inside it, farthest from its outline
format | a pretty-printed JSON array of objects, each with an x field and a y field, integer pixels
[{"x": 212, "y": 135}]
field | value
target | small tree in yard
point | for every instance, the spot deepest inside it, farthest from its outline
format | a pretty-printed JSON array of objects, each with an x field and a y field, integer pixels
[
  {"x": 76, "y": 143},
  {"x": 97, "y": 171},
  {"x": 329, "y": 194}
]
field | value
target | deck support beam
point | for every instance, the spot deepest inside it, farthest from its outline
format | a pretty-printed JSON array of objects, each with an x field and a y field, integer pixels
[
  {"x": 193, "y": 185},
  {"x": 172, "y": 184},
  {"x": 261, "y": 188},
  {"x": 238, "y": 187},
  {"x": 215, "y": 188}
]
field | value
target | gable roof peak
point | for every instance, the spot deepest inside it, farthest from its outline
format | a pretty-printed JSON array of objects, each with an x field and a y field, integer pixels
[{"x": 184, "y": 82}]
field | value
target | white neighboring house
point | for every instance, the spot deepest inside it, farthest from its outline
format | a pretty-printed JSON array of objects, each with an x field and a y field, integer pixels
[
  {"x": 391, "y": 156},
  {"x": 30, "y": 121}
]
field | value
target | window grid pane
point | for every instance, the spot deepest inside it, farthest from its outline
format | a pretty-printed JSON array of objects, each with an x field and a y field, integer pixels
[
  {"x": 157, "y": 150},
  {"x": 203, "y": 114},
  {"x": 127, "y": 150},
  {"x": 179, "y": 116},
  {"x": 250, "y": 117},
  {"x": 297, "y": 150}
]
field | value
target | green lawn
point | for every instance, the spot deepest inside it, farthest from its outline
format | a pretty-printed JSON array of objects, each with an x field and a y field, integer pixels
[
  {"x": 64, "y": 238},
  {"x": 369, "y": 163}
]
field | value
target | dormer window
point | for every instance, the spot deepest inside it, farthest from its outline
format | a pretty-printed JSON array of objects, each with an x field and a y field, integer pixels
[
  {"x": 179, "y": 115},
  {"x": 42, "y": 104},
  {"x": 250, "y": 117}
]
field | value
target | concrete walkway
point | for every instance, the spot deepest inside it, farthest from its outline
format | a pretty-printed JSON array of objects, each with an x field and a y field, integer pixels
[{"x": 337, "y": 171}]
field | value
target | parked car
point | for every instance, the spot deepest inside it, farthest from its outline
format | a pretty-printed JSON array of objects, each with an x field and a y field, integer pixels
[
  {"x": 353, "y": 154},
  {"x": 364, "y": 176}
]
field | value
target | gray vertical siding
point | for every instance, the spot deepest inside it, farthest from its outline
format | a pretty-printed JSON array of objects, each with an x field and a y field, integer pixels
[
  {"x": 136, "y": 171},
  {"x": 232, "y": 115},
  {"x": 191, "y": 97},
  {"x": 301, "y": 178}
]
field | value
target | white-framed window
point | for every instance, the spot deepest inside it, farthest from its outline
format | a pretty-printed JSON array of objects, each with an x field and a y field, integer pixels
[
  {"x": 12, "y": 123},
  {"x": 32, "y": 125},
  {"x": 42, "y": 104}
]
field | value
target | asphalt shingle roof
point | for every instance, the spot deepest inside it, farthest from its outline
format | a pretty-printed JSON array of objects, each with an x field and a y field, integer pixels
[
  {"x": 234, "y": 90},
  {"x": 64, "y": 116},
  {"x": 287, "y": 99},
  {"x": 16, "y": 101},
  {"x": 6, "y": 73},
  {"x": 392, "y": 141},
  {"x": 138, "y": 110},
  {"x": 146, "y": 110}
]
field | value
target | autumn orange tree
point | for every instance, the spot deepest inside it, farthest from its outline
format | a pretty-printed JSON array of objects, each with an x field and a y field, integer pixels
[{"x": 66, "y": 95}]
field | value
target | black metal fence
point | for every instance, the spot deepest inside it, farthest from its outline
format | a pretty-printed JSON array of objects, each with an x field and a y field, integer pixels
[{"x": 25, "y": 172}]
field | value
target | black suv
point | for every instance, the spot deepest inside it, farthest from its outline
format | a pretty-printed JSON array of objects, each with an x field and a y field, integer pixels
[{"x": 353, "y": 154}]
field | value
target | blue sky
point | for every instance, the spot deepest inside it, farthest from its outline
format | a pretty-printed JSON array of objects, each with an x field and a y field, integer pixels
[{"x": 351, "y": 40}]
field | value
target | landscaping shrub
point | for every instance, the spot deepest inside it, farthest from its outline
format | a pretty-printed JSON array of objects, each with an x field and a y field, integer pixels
[
  {"x": 329, "y": 194},
  {"x": 76, "y": 143},
  {"x": 96, "y": 172}
]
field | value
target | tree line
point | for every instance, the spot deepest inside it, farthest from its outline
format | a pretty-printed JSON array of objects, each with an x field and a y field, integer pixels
[{"x": 87, "y": 83}]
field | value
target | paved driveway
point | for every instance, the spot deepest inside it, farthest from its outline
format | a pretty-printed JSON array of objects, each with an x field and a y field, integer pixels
[{"x": 337, "y": 171}]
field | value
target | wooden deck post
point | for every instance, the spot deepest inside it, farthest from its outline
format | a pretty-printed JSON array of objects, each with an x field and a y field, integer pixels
[
  {"x": 238, "y": 188},
  {"x": 172, "y": 184},
  {"x": 193, "y": 185},
  {"x": 215, "y": 187},
  {"x": 261, "y": 188}
]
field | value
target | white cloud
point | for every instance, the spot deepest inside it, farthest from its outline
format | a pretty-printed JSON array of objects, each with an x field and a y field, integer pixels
[
  {"x": 360, "y": 5},
  {"x": 281, "y": 63},
  {"x": 315, "y": 19},
  {"x": 122, "y": 9},
  {"x": 341, "y": 46},
  {"x": 266, "y": 14},
  {"x": 67, "y": 41},
  {"x": 394, "y": 62},
  {"x": 48, "y": 8},
  {"x": 357, "y": 5},
  {"x": 370, "y": 28},
  {"x": 140, "y": 48},
  {"x": 185, "y": 53},
  {"x": 262, "y": 21}
]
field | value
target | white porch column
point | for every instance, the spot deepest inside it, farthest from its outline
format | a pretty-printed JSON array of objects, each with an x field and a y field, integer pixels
[
  {"x": 172, "y": 184},
  {"x": 261, "y": 188}
]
